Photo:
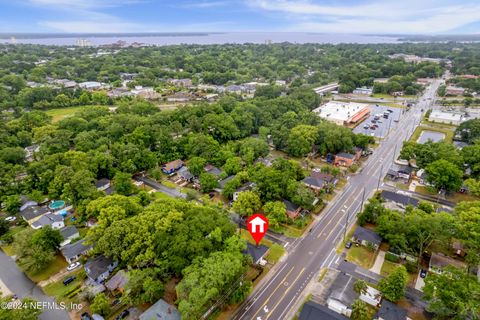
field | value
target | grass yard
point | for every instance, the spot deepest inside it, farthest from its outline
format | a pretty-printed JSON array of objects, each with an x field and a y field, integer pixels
[
  {"x": 62, "y": 113},
  {"x": 55, "y": 266},
  {"x": 388, "y": 267},
  {"x": 361, "y": 256},
  {"x": 456, "y": 197},
  {"x": 161, "y": 195},
  {"x": 169, "y": 184},
  {"x": 276, "y": 252},
  {"x": 8, "y": 249},
  {"x": 59, "y": 290}
]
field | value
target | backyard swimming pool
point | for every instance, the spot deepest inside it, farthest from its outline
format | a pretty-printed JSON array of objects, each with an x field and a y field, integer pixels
[{"x": 58, "y": 204}]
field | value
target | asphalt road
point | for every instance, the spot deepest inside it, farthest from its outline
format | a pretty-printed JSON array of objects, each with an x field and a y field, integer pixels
[
  {"x": 307, "y": 255},
  {"x": 161, "y": 188},
  {"x": 21, "y": 285}
]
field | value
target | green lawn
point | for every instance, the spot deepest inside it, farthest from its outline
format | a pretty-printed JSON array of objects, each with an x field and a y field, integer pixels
[
  {"x": 388, "y": 267},
  {"x": 161, "y": 195},
  {"x": 169, "y": 184},
  {"x": 62, "y": 113},
  {"x": 8, "y": 249},
  {"x": 387, "y": 96},
  {"x": 456, "y": 197},
  {"x": 361, "y": 256},
  {"x": 276, "y": 252},
  {"x": 57, "y": 265},
  {"x": 59, "y": 290}
]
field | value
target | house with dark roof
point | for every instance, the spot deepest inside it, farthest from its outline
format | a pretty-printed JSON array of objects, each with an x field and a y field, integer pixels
[
  {"x": 117, "y": 282},
  {"x": 245, "y": 187},
  {"x": 172, "y": 166},
  {"x": 328, "y": 178},
  {"x": 99, "y": 268},
  {"x": 315, "y": 311},
  {"x": 68, "y": 233},
  {"x": 256, "y": 252},
  {"x": 293, "y": 211},
  {"x": 33, "y": 213},
  {"x": 53, "y": 220},
  {"x": 397, "y": 171},
  {"x": 223, "y": 182},
  {"x": 25, "y": 203},
  {"x": 344, "y": 159},
  {"x": 399, "y": 199},
  {"x": 213, "y": 170},
  {"x": 102, "y": 184},
  {"x": 316, "y": 184},
  {"x": 72, "y": 252},
  {"x": 161, "y": 310},
  {"x": 367, "y": 237},
  {"x": 390, "y": 311},
  {"x": 439, "y": 261},
  {"x": 185, "y": 175}
]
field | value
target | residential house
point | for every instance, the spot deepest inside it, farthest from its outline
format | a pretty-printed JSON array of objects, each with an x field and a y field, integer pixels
[
  {"x": 161, "y": 310},
  {"x": 257, "y": 253},
  {"x": 458, "y": 248},
  {"x": 367, "y": 237},
  {"x": 316, "y": 184},
  {"x": 30, "y": 152},
  {"x": 293, "y": 211},
  {"x": 213, "y": 170},
  {"x": 181, "y": 82},
  {"x": 25, "y": 203},
  {"x": 328, "y": 178},
  {"x": 397, "y": 171},
  {"x": 371, "y": 296},
  {"x": 223, "y": 182},
  {"x": 68, "y": 234},
  {"x": 33, "y": 213},
  {"x": 99, "y": 268},
  {"x": 117, "y": 282},
  {"x": 439, "y": 261},
  {"x": 342, "y": 294},
  {"x": 345, "y": 159},
  {"x": 102, "y": 184},
  {"x": 281, "y": 83},
  {"x": 53, "y": 220},
  {"x": 398, "y": 198},
  {"x": 235, "y": 89},
  {"x": 246, "y": 187},
  {"x": 72, "y": 252},
  {"x": 180, "y": 97},
  {"x": 145, "y": 93},
  {"x": 454, "y": 91},
  {"x": 91, "y": 85},
  {"x": 185, "y": 175},
  {"x": 266, "y": 161},
  {"x": 390, "y": 311},
  {"x": 172, "y": 166},
  {"x": 315, "y": 311}
]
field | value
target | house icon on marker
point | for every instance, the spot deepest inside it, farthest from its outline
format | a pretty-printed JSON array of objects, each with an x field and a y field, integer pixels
[{"x": 258, "y": 222}]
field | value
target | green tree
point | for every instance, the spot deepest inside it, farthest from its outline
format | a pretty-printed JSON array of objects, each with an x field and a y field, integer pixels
[
  {"x": 123, "y": 183},
  {"x": 247, "y": 203},
  {"x": 444, "y": 175},
  {"x": 301, "y": 140},
  {"x": 100, "y": 305},
  {"x": 360, "y": 286},
  {"x": 452, "y": 295},
  {"x": 29, "y": 312},
  {"x": 393, "y": 286},
  {"x": 12, "y": 204},
  {"x": 208, "y": 182},
  {"x": 196, "y": 165},
  {"x": 4, "y": 226},
  {"x": 143, "y": 286},
  {"x": 233, "y": 165},
  {"x": 359, "y": 310}
]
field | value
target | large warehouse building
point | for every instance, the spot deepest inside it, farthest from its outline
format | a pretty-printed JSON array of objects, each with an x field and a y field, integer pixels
[{"x": 343, "y": 113}]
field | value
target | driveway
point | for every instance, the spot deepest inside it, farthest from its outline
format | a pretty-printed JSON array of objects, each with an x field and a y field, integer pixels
[
  {"x": 377, "y": 266},
  {"x": 18, "y": 283}
]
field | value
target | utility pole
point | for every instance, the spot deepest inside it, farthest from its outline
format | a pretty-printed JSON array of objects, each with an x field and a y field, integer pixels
[{"x": 379, "y": 177}]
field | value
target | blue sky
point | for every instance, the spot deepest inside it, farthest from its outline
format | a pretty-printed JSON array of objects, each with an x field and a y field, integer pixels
[{"x": 350, "y": 16}]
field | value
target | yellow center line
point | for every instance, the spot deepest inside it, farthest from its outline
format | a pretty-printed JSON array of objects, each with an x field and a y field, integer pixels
[
  {"x": 283, "y": 295},
  {"x": 273, "y": 292}
]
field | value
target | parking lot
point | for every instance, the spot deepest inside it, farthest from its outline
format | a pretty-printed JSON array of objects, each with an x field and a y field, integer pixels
[{"x": 382, "y": 124}]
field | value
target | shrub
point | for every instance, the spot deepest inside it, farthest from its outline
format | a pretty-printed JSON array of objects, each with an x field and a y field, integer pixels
[
  {"x": 411, "y": 267},
  {"x": 391, "y": 257}
]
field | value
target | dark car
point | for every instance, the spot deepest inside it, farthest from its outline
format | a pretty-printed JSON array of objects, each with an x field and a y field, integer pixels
[
  {"x": 348, "y": 245},
  {"x": 69, "y": 280},
  {"x": 423, "y": 273},
  {"x": 390, "y": 110},
  {"x": 123, "y": 315},
  {"x": 86, "y": 316},
  {"x": 115, "y": 302}
]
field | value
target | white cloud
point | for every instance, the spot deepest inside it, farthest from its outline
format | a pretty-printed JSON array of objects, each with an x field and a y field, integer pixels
[
  {"x": 206, "y": 4},
  {"x": 408, "y": 16}
]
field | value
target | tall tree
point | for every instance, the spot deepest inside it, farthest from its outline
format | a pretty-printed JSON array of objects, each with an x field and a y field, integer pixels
[{"x": 393, "y": 286}]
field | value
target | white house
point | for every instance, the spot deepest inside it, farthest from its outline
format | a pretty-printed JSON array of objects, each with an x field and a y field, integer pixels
[
  {"x": 371, "y": 296},
  {"x": 49, "y": 219}
]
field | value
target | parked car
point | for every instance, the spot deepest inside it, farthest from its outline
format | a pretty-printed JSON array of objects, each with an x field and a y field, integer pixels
[
  {"x": 69, "y": 280},
  {"x": 115, "y": 302},
  {"x": 366, "y": 126},
  {"x": 123, "y": 315},
  {"x": 373, "y": 127},
  {"x": 11, "y": 218},
  {"x": 390, "y": 110},
  {"x": 348, "y": 245},
  {"x": 86, "y": 316},
  {"x": 423, "y": 273},
  {"x": 73, "y": 266}
]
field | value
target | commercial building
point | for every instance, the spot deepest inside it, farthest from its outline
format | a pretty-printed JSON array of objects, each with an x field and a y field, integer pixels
[
  {"x": 365, "y": 91},
  {"x": 454, "y": 91},
  {"x": 343, "y": 113},
  {"x": 446, "y": 117}
]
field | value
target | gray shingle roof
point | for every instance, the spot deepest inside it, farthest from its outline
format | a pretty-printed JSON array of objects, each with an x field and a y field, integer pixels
[
  {"x": 72, "y": 250},
  {"x": 257, "y": 253},
  {"x": 312, "y": 181},
  {"x": 68, "y": 231},
  {"x": 345, "y": 155},
  {"x": 161, "y": 310},
  {"x": 47, "y": 220},
  {"x": 33, "y": 211},
  {"x": 364, "y": 234},
  {"x": 315, "y": 311},
  {"x": 98, "y": 265},
  {"x": 399, "y": 198},
  {"x": 390, "y": 311}
]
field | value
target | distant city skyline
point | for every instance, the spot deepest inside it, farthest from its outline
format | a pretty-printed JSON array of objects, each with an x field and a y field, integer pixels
[{"x": 350, "y": 16}]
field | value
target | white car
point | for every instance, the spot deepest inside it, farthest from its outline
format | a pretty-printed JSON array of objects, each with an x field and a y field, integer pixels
[
  {"x": 11, "y": 218},
  {"x": 73, "y": 266}
]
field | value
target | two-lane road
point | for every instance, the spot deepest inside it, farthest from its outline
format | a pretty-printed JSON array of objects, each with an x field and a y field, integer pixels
[{"x": 307, "y": 255}]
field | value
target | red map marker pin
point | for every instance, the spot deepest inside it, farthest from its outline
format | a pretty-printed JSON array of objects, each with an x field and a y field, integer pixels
[{"x": 257, "y": 226}]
